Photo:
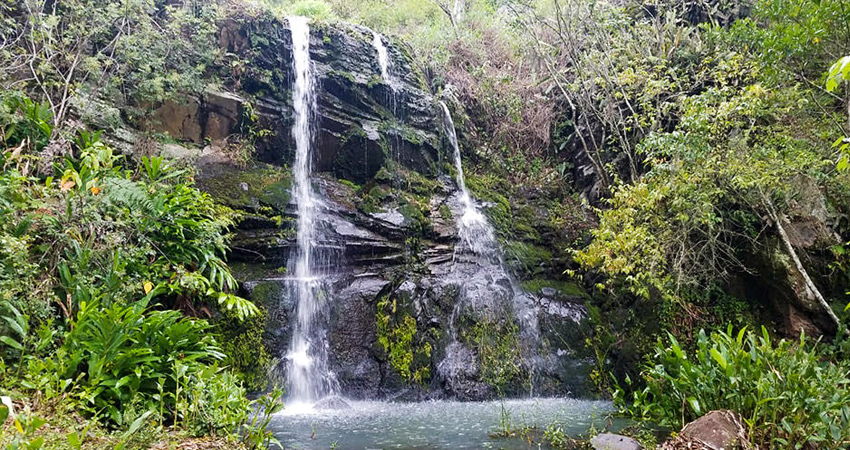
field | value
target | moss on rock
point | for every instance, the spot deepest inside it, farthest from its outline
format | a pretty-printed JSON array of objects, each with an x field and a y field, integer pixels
[
  {"x": 564, "y": 288},
  {"x": 242, "y": 342},
  {"x": 496, "y": 345},
  {"x": 261, "y": 188}
]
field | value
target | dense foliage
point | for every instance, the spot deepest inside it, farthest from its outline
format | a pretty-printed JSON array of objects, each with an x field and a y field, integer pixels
[
  {"x": 786, "y": 395},
  {"x": 73, "y": 52},
  {"x": 104, "y": 271}
]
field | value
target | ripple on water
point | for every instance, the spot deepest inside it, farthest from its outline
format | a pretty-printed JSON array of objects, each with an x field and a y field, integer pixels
[{"x": 434, "y": 425}]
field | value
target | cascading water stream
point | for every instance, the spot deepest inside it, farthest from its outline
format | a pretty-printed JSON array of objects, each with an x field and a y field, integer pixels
[
  {"x": 308, "y": 375},
  {"x": 474, "y": 230},
  {"x": 383, "y": 59},
  {"x": 391, "y": 81},
  {"x": 477, "y": 237}
]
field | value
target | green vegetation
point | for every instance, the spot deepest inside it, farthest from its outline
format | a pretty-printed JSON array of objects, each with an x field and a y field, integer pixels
[
  {"x": 104, "y": 273},
  {"x": 407, "y": 351},
  {"x": 787, "y": 396},
  {"x": 497, "y": 347},
  {"x": 158, "y": 52},
  {"x": 243, "y": 347}
]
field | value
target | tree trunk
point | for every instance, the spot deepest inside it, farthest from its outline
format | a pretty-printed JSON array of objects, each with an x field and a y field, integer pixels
[{"x": 811, "y": 290}]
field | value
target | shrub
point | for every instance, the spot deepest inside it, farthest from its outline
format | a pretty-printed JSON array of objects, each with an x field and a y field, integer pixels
[
  {"x": 787, "y": 396},
  {"x": 123, "y": 355},
  {"x": 215, "y": 402},
  {"x": 98, "y": 266}
]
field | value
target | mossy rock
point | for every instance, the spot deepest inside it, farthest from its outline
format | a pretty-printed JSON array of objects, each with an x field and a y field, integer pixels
[
  {"x": 242, "y": 343},
  {"x": 414, "y": 216},
  {"x": 266, "y": 293},
  {"x": 497, "y": 348},
  {"x": 260, "y": 188},
  {"x": 522, "y": 257},
  {"x": 564, "y": 288}
]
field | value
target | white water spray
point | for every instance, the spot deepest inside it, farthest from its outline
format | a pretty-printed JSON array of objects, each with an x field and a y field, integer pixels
[
  {"x": 309, "y": 378},
  {"x": 394, "y": 85}
]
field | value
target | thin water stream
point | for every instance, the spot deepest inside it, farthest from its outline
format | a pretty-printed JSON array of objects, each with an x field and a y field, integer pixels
[
  {"x": 475, "y": 233},
  {"x": 383, "y": 59},
  {"x": 477, "y": 244}
]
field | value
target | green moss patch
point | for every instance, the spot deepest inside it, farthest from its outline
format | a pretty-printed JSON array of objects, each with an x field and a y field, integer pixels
[
  {"x": 242, "y": 342},
  {"x": 255, "y": 188},
  {"x": 496, "y": 345},
  {"x": 407, "y": 349},
  {"x": 565, "y": 288},
  {"x": 526, "y": 258}
]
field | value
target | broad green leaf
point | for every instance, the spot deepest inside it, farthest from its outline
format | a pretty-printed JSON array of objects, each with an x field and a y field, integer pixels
[
  {"x": 16, "y": 327},
  {"x": 74, "y": 440},
  {"x": 11, "y": 342},
  {"x": 717, "y": 356},
  {"x": 695, "y": 405},
  {"x": 36, "y": 443},
  {"x": 136, "y": 425}
]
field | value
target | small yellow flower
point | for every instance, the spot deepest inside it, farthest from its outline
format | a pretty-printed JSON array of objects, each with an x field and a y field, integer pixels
[
  {"x": 148, "y": 287},
  {"x": 95, "y": 190},
  {"x": 817, "y": 40}
]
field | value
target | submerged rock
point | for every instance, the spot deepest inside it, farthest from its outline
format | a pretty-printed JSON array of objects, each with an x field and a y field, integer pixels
[
  {"x": 610, "y": 441},
  {"x": 332, "y": 403}
]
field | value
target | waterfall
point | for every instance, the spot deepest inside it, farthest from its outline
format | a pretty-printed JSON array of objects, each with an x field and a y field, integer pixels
[
  {"x": 477, "y": 237},
  {"x": 383, "y": 59},
  {"x": 395, "y": 88},
  {"x": 308, "y": 375},
  {"x": 474, "y": 230}
]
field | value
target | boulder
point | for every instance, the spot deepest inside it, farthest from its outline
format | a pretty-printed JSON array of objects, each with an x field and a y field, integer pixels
[
  {"x": 180, "y": 120},
  {"x": 353, "y": 339},
  {"x": 717, "y": 430},
  {"x": 610, "y": 441}
]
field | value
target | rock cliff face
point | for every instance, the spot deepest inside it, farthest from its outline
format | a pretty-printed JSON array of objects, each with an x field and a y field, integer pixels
[{"x": 387, "y": 226}]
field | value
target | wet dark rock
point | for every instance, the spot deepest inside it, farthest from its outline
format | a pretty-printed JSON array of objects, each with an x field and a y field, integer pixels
[
  {"x": 459, "y": 372},
  {"x": 353, "y": 337},
  {"x": 357, "y": 113}
]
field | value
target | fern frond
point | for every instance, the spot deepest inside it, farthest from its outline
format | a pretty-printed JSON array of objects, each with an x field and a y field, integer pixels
[{"x": 128, "y": 194}]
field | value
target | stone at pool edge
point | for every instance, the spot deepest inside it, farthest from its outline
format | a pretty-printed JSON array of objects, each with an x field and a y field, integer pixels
[{"x": 610, "y": 441}]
